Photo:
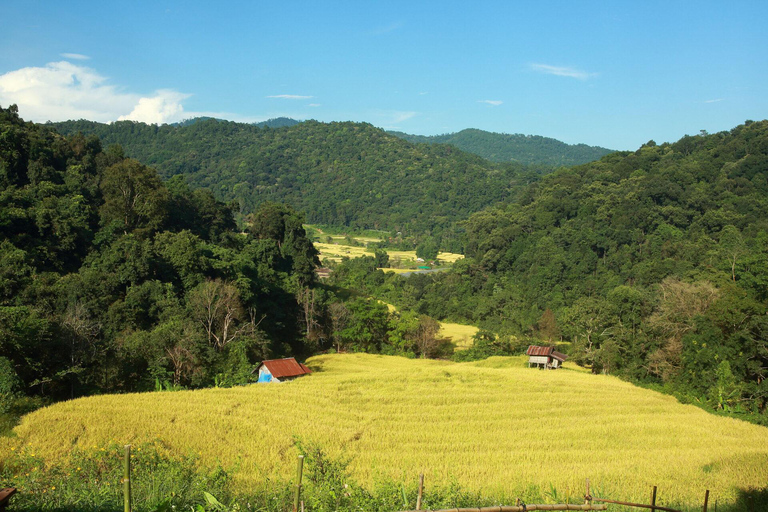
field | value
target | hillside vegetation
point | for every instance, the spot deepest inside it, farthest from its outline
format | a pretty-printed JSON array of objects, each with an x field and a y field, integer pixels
[
  {"x": 342, "y": 174},
  {"x": 525, "y": 149},
  {"x": 654, "y": 263},
  {"x": 494, "y": 426},
  {"x": 112, "y": 280}
]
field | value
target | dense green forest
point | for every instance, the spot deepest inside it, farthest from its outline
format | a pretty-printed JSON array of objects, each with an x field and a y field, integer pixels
[
  {"x": 113, "y": 280},
  {"x": 524, "y": 149},
  {"x": 341, "y": 174},
  {"x": 276, "y": 122},
  {"x": 653, "y": 264}
]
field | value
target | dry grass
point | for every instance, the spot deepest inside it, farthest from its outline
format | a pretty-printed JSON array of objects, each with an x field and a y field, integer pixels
[{"x": 492, "y": 425}]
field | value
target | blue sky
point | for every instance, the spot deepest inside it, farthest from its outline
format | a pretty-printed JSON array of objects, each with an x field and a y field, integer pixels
[{"x": 611, "y": 73}]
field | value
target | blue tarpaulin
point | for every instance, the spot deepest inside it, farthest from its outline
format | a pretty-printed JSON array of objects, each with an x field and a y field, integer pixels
[{"x": 265, "y": 377}]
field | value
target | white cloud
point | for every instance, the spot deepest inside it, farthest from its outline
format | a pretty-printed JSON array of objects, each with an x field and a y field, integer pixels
[
  {"x": 164, "y": 105},
  {"x": 313, "y": 105},
  {"x": 290, "y": 97},
  {"x": 562, "y": 71},
  {"x": 714, "y": 101},
  {"x": 61, "y": 91},
  {"x": 495, "y": 103},
  {"x": 75, "y": 56}
]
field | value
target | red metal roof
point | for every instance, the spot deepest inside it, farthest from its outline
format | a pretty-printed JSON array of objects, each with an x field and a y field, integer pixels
[
  {"x": 535, "y": 350},
  {"x": 559, "y": 356},
  {"x": 280, "y": 368}
]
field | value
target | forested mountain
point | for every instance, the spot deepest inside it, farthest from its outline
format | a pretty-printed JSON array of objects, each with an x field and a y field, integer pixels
[
  {"x": 344, "y": 174},
  {"x": 654, "y": 263},
  {"x": 111, "y": 279},
  {"x": 277, "y": 122},
  {"x": 525, "y": 149}
]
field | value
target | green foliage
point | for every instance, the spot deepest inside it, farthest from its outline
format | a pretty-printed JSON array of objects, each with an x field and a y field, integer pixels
[
  {"x": 526, "y": 149},
  {"x": 90, "y": 480},
  {"x": 112, "y": 280},
  {"x": 9, "y": 385},
  {"x": 340, "y": 174}
]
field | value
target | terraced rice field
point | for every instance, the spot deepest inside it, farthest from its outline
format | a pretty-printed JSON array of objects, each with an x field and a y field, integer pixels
[
  {"x": 335, "y": 252},
  {"x": 493, "y": 426}
]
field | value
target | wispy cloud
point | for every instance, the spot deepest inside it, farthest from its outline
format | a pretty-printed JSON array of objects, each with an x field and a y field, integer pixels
[
  {"x": 714, "y": 101},
  {"x": 495, "y": 103},
  {"x": 386, "y": 29},
  {"x": 61, "y": 90},
  {"x": 562, "y": 71},
  {"x": 75, "y": 56},
  {"x": 290, "y": 97},
  {"x": 314, "y": 105}
]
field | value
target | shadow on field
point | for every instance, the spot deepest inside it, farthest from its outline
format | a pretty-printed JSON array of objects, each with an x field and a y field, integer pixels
[{"x": 748, "y": 500}]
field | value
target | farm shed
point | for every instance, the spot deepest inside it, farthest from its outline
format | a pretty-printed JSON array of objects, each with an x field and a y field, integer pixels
[
  {"x": 280, "y": 370},
  {"x": 545, "y": 357}
]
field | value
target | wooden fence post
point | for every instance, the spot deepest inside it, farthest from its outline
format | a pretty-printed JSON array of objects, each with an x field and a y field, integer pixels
[
  {"x": 588, "y": 496},
  {"x": 127, "y": 479},
  {"x": 299, "y": 475},
  {"x": 421, "y": 491},
  {"x": 706, "y": 500},
  {"x": 653, "y": 500}
]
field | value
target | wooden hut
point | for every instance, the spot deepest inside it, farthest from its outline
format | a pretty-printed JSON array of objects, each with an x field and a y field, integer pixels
[
  {"x": 545, "y": 357},
  {"x": 281, "y": 370}
]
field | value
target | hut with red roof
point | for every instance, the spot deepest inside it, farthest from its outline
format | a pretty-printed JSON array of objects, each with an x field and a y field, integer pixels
[
  {"x": 545, "y": 357},
  {"x": 281, "y": 370}
]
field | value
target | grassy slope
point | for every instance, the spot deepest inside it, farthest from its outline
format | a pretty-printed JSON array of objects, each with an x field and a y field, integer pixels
[{"x": 493, "y": 425}]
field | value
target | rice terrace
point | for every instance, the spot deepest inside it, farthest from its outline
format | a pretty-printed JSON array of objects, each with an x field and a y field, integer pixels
[{"x": 492, "y": 425}]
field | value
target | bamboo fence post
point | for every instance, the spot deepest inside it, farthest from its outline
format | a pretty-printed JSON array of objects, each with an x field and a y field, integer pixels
[
  {"x": 588, "y": 496},
  {"x": 706, "y": 500},
  {"x": 127, "y": 479},
  {"x": 421, "y": 491},
  {"x": 297, "y": 492},
  {"x": 653, "y": 500}
]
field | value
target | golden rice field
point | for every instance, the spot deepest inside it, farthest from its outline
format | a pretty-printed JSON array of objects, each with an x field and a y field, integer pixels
[
  {"x": 461, "y": 335},
  {"x": 335, "y": 252},
  {"x": 492, "y": 426}
]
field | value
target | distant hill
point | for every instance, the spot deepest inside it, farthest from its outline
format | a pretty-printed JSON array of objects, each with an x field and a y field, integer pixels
[
  {"x": 525, "y": 149},
  {"x": 343, "y": 174},
  {"x": 277, "y": 122}
]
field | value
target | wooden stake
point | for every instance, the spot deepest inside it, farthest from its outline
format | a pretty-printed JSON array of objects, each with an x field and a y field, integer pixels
[
  {"x": 127, "y": 479},
  {"x": 653, "y": 500},
  {"x": 299, "y": 475},
  {"x": 421, "y": 491},
  {"x": 588, "y": 496},
  {"x": 706, "y": 500}
]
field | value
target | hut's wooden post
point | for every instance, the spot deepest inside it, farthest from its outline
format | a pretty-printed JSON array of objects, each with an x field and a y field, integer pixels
[
  {"x": 127, "y": 479},
  {"x": 653, "y": 500},
  {"x": 299, "y": 475},
  {"x": 421, "y": 491},
  {"x": 706, "y": 501}
]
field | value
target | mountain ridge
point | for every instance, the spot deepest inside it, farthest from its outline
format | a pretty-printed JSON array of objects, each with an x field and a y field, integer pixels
[{"x": 517, "y": 147}]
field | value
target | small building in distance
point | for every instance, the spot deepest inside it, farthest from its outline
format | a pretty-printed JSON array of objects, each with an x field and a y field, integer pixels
[
  {"x": 281, "y": 370},
  {"x": 545, "y": 357}
]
